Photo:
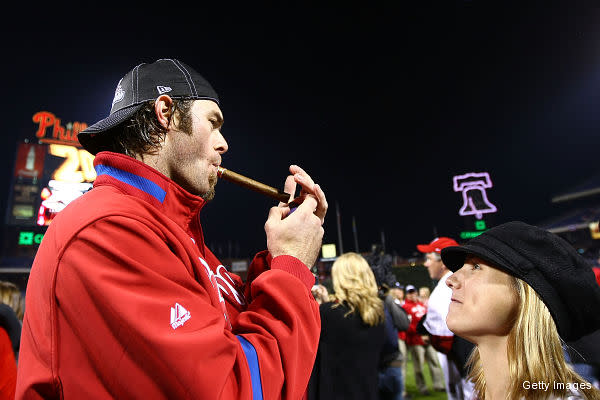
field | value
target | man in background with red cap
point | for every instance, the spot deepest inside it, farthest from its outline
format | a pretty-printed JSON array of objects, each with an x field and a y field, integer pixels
[{"x": 442, "y": 339}]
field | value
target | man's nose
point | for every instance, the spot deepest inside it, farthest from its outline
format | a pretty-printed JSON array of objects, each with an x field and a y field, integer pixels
[{"x": 221, "y": 145}]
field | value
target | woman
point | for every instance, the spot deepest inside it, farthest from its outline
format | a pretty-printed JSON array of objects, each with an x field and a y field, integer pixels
[
  {"x": 517, "y": 292},
  {"x": 352, "y": 342}
]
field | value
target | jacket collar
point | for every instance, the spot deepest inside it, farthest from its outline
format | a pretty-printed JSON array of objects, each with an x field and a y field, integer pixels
[{"x": 137, "y": 179}]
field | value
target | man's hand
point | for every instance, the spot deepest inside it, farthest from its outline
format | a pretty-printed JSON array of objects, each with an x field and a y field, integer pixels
[
  {"x": 299, "y": 233},
  {"x": 308, "y": 187}
]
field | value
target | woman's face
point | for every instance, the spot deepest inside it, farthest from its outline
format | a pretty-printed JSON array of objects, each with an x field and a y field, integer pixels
[{"x": 484, "y": 301}]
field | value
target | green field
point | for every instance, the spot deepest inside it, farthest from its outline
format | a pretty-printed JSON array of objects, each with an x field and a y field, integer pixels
[{"x": 411, "y": 387}]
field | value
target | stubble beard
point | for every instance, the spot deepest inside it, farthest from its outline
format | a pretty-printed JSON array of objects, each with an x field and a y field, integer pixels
[{"x": 212, "y": 182}]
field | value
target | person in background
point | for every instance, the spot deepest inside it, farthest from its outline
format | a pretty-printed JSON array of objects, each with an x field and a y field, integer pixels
[
  {"x": 424, "y": 293},
  {"x": 11, "y": 312},
  {"x": 391, "y": 377},
  {"x": 11, "y": 295},
  {"x": 518, "y": 292},
  {"x": 352, "y": 343},
  {"x": 453, "y": 351},
  {"x": 397, "y": 293},
  {"x": 320, "y": 293},
  {"x": 420, "y": 351}
]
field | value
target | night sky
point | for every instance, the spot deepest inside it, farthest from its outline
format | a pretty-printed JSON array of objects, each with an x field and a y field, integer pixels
[{"x": 381, "y": 104}]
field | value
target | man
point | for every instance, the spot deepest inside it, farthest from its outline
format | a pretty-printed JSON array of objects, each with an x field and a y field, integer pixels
[
  {"x": 420, "y": 351},
  {"x": 452, "y": 351},
  {"x": 126, "y": 301},
  {"x": 397, "y": 293},
  {"x": 391, "y": 376}
]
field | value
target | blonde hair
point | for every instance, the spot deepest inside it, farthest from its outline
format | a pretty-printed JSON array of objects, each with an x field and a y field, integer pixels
[
  {"x": 534, "y": 352},
  {"x": 11, "y": 296},
  {"x": 354, "y": 283}
]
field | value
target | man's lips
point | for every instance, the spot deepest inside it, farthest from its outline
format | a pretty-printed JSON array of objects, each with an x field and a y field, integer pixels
[{"x": 455, "y": 300}]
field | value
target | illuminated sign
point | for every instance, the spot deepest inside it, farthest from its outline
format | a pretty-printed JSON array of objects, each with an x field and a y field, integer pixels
[
  {"x": 473, "y": 186},
  {"x": 73, "y": 176},
  {"x": 55, "y": 198},
  {"x": 30, "y": 161},
  {"x": 27, "y": 238},
  {"x": 51, "y": 170},
  {"x": 77, "y": 167},
  {"x": 328, "y": 250},
  {"x": 595, "y": 230},
  {"x": 480, "y": 227},
  {"x": 51, "y": 131}
]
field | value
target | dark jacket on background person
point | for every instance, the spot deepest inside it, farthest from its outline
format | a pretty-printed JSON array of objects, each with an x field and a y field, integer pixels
[
  {"x": 349, "y": 355},
  {"x": 400, "y": 322},
  {"x": 12, "y": 325}
]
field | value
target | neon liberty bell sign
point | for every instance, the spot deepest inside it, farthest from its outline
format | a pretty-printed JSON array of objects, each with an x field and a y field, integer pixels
[{"x": 473, "y": 186}]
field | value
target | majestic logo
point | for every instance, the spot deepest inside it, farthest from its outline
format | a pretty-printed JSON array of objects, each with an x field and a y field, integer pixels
[
  {"x": 163, "y": 89},
  {"x": 179, "y": 315},
  {"x": 119, "y": 93}
]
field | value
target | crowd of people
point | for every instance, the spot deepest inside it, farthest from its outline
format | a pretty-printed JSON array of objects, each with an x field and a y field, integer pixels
[
  {"x": 424, "y": 338},
  {"x": 457, "y": 364}
]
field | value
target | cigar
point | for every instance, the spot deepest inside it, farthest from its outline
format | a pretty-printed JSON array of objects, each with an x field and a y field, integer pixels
[{"x": 256, "y": 186}]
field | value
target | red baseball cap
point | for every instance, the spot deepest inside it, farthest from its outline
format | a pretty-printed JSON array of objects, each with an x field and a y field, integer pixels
[{"x": 437, "y": 245}]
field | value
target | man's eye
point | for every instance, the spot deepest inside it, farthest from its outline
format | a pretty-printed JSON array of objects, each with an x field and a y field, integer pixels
[{"x": 476, "y": 266}]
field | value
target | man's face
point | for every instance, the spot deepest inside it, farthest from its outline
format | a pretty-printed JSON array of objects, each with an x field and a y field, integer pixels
[
  {"x": 192, "y": 157},
  {"x": 434, "y": 265},
  {"x": 411, "y": 295},
  {"x": 397, "y": 293}
]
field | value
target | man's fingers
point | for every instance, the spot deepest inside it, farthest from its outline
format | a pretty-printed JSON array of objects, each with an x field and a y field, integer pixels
[
  {"x": 303, "y": 179},
  {"x": 277, "y": 213},
  {"x": 321, "y": 204},
  {"x": 289, "y": 187},
  {"x": 274, "y": 212},
  {"x": 309, "y": 204},
  {"x": 310, "y": 188}
]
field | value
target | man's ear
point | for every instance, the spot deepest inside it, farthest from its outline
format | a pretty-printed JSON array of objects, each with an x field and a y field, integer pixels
[{"x": 163, "y": 108}]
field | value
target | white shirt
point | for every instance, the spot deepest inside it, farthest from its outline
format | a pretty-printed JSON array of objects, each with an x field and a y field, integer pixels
[{"x": 437, "y": 308}]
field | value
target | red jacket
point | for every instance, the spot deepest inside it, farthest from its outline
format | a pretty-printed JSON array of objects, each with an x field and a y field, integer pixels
[
  {"x": 125, "y": 301},
  {"x": 8, "y": 367},
  {"x": 416, "y": 310}
]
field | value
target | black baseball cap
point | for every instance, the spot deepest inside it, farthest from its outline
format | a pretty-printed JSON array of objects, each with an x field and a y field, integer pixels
[
  {"x": 562, "y": 278},
  {"x": 143, "y": 83}
]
